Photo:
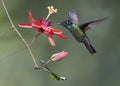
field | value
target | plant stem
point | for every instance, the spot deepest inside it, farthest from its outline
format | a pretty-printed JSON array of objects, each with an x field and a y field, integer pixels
[
  {"x": 34, "y": 39},
  {"x": 46, "y": 63},
  {"x": 19, "y": 34},
  {"x": 12, "y": 53}
]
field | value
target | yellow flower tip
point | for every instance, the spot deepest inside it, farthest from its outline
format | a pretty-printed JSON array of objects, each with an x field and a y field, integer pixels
[
  {"x": 48, "y": 7},
  {"x": 51, "y": 9}
]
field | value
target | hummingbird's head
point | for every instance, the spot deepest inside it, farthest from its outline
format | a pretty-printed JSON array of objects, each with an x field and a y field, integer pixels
[{"x": 66, "y": 23}]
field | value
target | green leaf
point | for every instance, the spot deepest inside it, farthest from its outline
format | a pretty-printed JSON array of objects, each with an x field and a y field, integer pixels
[{"x": 56, "y": 77}]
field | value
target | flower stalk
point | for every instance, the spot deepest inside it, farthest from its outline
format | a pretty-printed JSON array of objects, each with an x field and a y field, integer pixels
[
  {"x": 42, "y": 27},
  {"x": 19, "y": 34},
  {"x": 46, "y": 63}
]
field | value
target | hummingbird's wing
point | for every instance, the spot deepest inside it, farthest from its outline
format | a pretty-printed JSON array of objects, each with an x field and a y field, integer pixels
[
  {"x": 73, "y": 17},
  {"x": 92, "y": 24}
]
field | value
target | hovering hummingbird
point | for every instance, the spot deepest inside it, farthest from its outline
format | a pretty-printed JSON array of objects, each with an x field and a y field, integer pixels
[{"x": 79, "y": 31}]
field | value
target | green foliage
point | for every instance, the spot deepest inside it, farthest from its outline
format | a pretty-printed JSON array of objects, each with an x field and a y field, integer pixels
[{"x": 56, "y": 77}]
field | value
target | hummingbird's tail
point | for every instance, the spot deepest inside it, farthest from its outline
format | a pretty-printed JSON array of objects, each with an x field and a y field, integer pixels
[{"x": 88, "y": 45}]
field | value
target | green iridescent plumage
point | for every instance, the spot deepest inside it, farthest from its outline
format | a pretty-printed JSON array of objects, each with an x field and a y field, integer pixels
[{"x": 79, "y": 31}]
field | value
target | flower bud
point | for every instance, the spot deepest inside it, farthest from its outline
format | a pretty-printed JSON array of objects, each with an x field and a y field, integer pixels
[{"x": 59, "y": 56}]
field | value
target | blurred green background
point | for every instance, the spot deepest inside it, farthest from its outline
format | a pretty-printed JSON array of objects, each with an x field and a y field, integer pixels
[{"x": 80, "y": 67}]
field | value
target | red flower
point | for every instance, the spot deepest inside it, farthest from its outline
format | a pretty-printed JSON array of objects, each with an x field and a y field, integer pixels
[{"x": 43, "y": 26}]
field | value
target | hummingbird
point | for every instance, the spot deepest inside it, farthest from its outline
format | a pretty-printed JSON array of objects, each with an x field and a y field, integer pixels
[{"x": 79, "y": 30}]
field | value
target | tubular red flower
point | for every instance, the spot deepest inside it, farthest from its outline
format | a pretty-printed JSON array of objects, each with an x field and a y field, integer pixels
[{"x": 43, "y": 26}]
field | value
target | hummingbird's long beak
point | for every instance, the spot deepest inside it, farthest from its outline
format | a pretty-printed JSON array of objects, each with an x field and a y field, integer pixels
[
  {"x": 55, "y": 24},
  {"x": 59, "y": 23}
]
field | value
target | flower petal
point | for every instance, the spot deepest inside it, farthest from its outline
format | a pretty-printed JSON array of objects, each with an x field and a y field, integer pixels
[
  {"x": 30, "y": 17},
  {"x": 51, "y": 40},
  {"x": 61, "y": 36},
  {"x": 25, "y": 25},
  {"x": 55, "y": 31}
]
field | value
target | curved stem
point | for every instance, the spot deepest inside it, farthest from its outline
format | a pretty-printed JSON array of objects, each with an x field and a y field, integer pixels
[
  {"x": 46, "y": 63},
  {"x": 19, "y": 34}
]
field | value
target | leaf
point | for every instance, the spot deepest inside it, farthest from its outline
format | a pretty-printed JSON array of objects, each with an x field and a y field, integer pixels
[{"x": 56, "y": 77}]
